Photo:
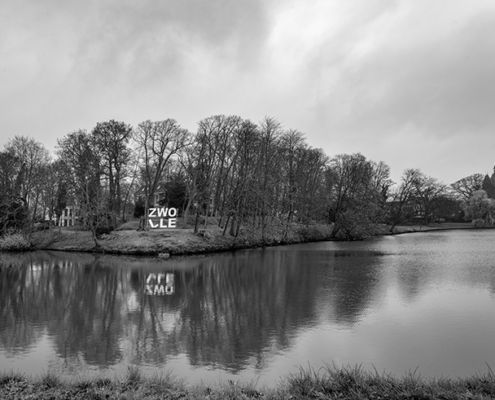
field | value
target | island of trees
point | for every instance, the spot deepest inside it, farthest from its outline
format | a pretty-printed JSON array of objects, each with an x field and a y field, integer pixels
[{"x": 241, "y": 175}]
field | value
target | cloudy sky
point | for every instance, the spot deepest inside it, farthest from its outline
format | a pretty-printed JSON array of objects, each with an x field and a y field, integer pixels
[{"x": 411, "y": 82}]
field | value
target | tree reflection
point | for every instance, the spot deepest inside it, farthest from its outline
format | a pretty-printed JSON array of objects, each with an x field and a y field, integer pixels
[
  {"x": 224, "y": 311},
  {"x": 74, "y": 302},
  {"x": 349, "y": 280}
]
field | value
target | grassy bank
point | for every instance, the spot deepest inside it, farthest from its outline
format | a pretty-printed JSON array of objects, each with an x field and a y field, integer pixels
[
  {"x": 331, "y": 383},
  {"x": 183, "y": 241},
  {"x": 180, "y": 241}
]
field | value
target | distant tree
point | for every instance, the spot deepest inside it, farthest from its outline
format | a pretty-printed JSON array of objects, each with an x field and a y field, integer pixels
[
  {"x": 239, "y": 204},
  {"x": 84, "y": 174},
  {"x": 61, "y": 199},
  {"x": 488, "y": 187},
  {"x": 130, "y": 185},
  {"x": 312, "y": 191},
  {"x": 426, "y": 191},
  {"x": 212, "y": 161},
  {"x": 54, "y": 190},
  {"x": 110, "y": 140},
  {"x": 448, "y": 208},
  {"x": 34, "y": 159},
  {"x": 465, "y": 187},
  {"x": 13, "y": 207},
  {"x": 158, "y": 142},
  {"x": 292, "y": 145},
  {"x": 360, "y": 194},
  {"x": 480, "y": 208},
  {"x": 402, "y": 199},
  {"x": 269, "y": 164}
]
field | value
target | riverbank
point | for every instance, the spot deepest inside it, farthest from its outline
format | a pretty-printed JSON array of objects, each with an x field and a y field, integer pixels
[
  {"x": 331, "y": 383},
  {"x": 441, "y": 226},
  {"x": 127, "y": 240},
  {"x": 169, "y": 242}
]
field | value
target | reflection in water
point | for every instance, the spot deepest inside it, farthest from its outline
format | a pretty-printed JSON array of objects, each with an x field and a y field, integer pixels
[
  {"x": 160, "y": 284},
  {"x": 224, "y": 310},
  {"x": 247, "y": 311}
]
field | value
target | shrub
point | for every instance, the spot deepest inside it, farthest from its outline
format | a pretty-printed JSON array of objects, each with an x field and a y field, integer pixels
[{"x": 14, "y": 242}]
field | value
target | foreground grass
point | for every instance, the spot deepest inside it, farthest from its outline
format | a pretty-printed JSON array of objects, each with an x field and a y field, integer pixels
[{"x": 330, "y": 383}]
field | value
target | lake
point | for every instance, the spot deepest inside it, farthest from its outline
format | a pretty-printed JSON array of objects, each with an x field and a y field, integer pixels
[{"x": 423, "y": 301}]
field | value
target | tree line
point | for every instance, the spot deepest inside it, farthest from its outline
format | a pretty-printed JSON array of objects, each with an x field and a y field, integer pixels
[{"x": 248, "y": 176}]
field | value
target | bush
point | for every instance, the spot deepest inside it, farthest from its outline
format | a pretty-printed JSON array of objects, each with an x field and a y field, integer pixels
[
  {"x": 14, "y": 242},
  {"x": 355, "y": 225}
]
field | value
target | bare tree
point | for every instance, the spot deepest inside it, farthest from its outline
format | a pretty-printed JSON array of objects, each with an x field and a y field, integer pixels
[
  {"x": 240, "y": 197},
  {"x": 84, "y": 173},
  {"x": 13, "y": 208},
  {"x": 110, "y": 139},
  {"x": 269, "y": 166},
  {"x": 465, "y": 187},
  {"x": 158, "y": 141},
  {"x": 426, "y": 190},
  {"x": 402, "y": 200},
  {"x": 34, "y": 157},
  {"x": 292, "y": 144},
  {"x": 359, "y": 195}
]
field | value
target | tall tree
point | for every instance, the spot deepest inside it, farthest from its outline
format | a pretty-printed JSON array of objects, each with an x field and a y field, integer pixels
[
  {"x": 426, "y": 191},
  {"x": 402, "y": 200},
  {"x": 359, "y": 194},
  {"x": 84, "y": 173},
  {"x": 292, "y": 145},
  {"x": 269, "y": 165},
  {"x": 240, "y": 194},
  {"x": 13, "y": 207},
  {"x": 158, "y": 142},
  {"x": 34, "y": 158},
  {"x": 480, "y": 209},
  {"x": 110, "y": 139}
]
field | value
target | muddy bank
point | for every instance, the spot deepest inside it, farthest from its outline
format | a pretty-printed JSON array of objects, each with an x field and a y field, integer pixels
[{"x": 173, "y": 241}]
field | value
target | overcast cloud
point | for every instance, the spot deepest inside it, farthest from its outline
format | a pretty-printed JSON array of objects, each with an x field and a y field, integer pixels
[{"x": 410, "y": 83}]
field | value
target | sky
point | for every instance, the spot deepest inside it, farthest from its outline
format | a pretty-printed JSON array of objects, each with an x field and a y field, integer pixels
[{"x": 410, "y": 83}]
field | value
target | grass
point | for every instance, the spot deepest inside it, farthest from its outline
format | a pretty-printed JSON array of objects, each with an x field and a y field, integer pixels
[
  {"x": 14, "y": 242},
  {"x": 327, "y": 383}
]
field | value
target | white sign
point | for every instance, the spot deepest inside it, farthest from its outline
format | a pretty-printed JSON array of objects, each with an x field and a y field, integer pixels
[{"x": 167, "y": 217}]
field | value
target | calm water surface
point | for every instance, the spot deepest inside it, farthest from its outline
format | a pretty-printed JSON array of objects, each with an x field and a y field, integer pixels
[{"x": 424, "y": 301}]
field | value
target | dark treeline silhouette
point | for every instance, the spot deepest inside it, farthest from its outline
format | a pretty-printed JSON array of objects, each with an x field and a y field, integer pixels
[{"x": 248, "y": 176}]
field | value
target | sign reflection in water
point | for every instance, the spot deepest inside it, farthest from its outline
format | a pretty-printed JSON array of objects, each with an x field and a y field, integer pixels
[{"x": 160, "y": 284}]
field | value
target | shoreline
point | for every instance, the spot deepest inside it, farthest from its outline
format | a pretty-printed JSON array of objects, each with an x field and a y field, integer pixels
[
  {"x": 442, "y": 226},
  {"x": 330, "y": 383},
  {"x": 182, "y": 241},
  {"x": 173, "y": 242}
]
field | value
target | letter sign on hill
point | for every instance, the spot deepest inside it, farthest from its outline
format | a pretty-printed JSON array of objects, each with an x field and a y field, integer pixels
[{"x": 167, "y": 217}]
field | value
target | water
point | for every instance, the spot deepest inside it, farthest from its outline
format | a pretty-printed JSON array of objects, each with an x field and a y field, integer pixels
[{"x": 422, "y": 302}]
